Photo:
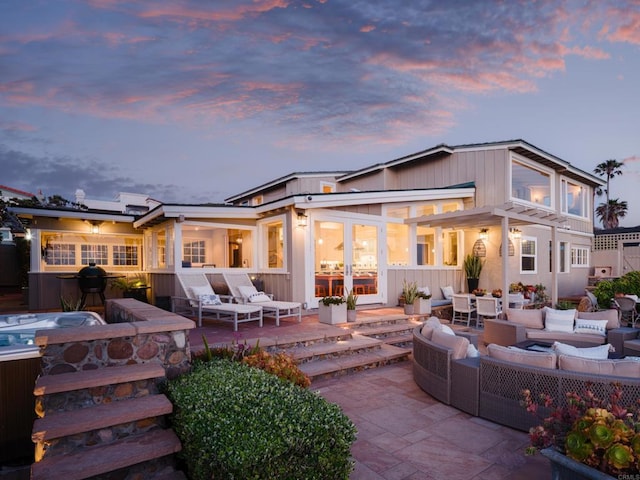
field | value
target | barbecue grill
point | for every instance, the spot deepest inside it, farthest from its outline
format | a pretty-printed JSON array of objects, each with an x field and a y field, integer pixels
[{"x": 92, "y": 279}]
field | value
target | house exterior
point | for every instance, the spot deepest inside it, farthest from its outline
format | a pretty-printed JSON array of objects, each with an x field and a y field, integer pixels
[{"x": 311, "y": 234}]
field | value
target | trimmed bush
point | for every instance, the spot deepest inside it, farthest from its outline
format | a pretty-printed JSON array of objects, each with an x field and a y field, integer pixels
[{"x": 239, "y": 422}]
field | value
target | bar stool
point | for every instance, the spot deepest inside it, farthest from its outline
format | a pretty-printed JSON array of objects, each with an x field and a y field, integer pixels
[{"x": 321, "y": 291}]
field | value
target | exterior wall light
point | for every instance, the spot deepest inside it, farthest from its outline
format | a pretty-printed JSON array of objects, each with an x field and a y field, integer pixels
[{"x": 302, "y": 219}]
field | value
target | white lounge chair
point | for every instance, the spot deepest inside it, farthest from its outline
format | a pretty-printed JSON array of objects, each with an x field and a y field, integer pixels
[
  {"x": 244, "y": 291},
  {"x": 200, "y": 299}
]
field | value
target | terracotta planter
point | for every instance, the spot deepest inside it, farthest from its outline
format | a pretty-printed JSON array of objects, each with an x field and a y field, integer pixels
[
  {"x": 565, "y": 468},
  {"x": 332, "y": 314}
]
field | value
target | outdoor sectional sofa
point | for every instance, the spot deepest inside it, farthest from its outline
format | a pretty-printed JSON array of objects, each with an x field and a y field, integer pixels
[{"x": 491, "y": 386}]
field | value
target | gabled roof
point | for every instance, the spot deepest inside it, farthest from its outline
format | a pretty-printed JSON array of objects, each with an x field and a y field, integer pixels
[
  {"x": 282, "y": 180},
  {"x": 22, "y": 193}
]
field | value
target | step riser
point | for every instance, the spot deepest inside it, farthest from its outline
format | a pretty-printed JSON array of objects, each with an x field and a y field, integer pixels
[
  {"x": 361, "y": 368},
  {"x": 328, "y": 356}
]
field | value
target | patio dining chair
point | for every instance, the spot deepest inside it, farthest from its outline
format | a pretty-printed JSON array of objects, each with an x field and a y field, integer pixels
[
  {"x": 244, "y": 291},
  {"x": 593, "y": 300},
  {"x": 627, "y": 308},
  {"x": 200, "y": 300},
  {"x": 516, "y": 300},
  {"x": 462, "y": 308},
  {"x": 488, "y": 307}
]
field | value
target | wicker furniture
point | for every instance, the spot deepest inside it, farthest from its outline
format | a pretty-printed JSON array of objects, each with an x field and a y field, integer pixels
[
  {"x": 491, "y": 388},
  {"x": 505, "y": 332},
  {"x": 436, "y": 372}
]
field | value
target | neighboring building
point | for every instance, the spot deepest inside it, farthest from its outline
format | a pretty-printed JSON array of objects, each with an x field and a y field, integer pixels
[
  {"x": 127, "y": 203},
  {"x": 306, "y": 235},
  {"x": 8, "y": 193},
  {"x": 616, "y": 251}
]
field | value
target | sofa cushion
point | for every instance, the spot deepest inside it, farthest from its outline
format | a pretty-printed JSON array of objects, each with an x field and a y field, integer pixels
[
  {"x": 611, "y": 315},
  {"x": 599, "y": 352},
  {"x": 618, "y": 367},
  {"x": 559, "y": 320},
  {"x": 597, "y": 327},
  {"x": 524, "y": 357},
  {"x": 530, "y": 318},
  {"x": 572, "y": 338},
  {"x": 431, "y": 324},
  {"x": 447, "y": 292},
  {"x": 459, "y": 345}
]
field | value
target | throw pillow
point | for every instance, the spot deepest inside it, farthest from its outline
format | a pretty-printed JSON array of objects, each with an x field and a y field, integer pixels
[
  {"x": 559, "y": 320},
  {"x": 447, "y": 292},
  {"x": 204, "y": 290},
  {"x": 210, "y": 299},
  {"x": 424, "y": 290},
  {"x": 447, "y": 329},
  {"x": 432, "y": 324},
  {"x": 472, "y": 351},
  {"x": 246, "y": 291},
  {"x": 598, "y": 327},
  {"x": 599, "y": 352},
  {"x": 459, "y": 345},
  {"x": 259, "y": 297},
  {"x": 610, "y": 315}
]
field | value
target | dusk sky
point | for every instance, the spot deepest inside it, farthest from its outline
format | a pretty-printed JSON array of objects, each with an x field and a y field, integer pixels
[{"x": 195, "y": 101}]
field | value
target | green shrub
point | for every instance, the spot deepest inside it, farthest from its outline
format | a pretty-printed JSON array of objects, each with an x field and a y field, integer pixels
[
  {"x": 628, "y": 284},
  {"x": 238, "y": 422}
]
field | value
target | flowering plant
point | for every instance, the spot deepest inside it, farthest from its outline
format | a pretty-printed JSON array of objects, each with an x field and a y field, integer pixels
[{"x": 601, "y": 434}]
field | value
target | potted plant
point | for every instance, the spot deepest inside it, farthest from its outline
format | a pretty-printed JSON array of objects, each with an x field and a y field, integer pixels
[
  {"x": 351, "y": 300},
  {"x": 472, "y": 268},
  {"x": 133, "y": 287},
  {"x": 422, "y": 303},
  {"x": 410, "y": 293},
  {"x": 332, "y": 310},
  {"x": 587, "y": 437}
]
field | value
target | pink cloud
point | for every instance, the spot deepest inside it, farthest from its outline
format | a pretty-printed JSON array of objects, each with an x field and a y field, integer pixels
[
  {"x": 622, "y": 26},
  {"x": 233, "y": 14},
  {"x": 17, "y": 126},
  {"x": 367, "y": 28}
]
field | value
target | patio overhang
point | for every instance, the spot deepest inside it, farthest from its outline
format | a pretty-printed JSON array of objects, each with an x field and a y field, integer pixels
[{"x": 515, "y": 214}]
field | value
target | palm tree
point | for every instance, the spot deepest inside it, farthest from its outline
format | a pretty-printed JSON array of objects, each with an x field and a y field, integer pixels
[
  {"x": 610, "y": 169},
  {"x": 610, "y": 210},
  {"x": 609, "y": 213}
]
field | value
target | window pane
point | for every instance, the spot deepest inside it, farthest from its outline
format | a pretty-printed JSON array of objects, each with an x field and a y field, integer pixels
[
  {"x": 424, "y": 210},
  {"x": 97, "y": 254},
  {"x": 575, "y": 199},
  {"x": 401, "y": 212},
  {"x": 397, "y": 244},
  {"x": 426, "y": 243},
  {"x": 125, "y": 255},
  {"x": 449, "y": 207},
  {"x": 275, "y": 245},
  {"x": 529, "y": 184},
  {"x": 450, "y": 249}
]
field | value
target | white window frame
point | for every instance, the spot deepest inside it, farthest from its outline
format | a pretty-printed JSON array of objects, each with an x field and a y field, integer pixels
[
  {"x": 534, "y": 256},
  {"x": 564, "y": 199},
  {"x": 539, "y": 168},
  {"x": 331, "y": 186},
  {"x": 577, "y": 252},
  {"x": 263, "y": 253},
  {"x": 564, "y": 255}
]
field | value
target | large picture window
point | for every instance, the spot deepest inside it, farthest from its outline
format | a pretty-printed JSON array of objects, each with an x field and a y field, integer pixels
[
  {"x": 530, "y": 184},
  {"x": 217, "y": 246},
  {"x": 398, "y": 244},
  {"x": 273, "y": 238}
]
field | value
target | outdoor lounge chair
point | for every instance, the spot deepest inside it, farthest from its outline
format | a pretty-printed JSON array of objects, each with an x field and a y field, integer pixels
[
  {"x": 200, "y": 299},
  {"x": 244, "y": 291}
]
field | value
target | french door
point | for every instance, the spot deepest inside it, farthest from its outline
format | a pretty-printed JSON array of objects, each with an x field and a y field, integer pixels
[{"x": 346, "y": 254}]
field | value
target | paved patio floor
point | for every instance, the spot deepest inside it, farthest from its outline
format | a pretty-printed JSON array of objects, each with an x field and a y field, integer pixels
[{"x": 403, "y": 433}]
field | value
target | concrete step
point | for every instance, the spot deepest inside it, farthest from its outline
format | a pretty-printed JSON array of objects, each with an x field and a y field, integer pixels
[
  {"x": 325, "y": 350},
  {"x": 63, "y": 424},
  {"x": 382, "y": 331},
  {"x": 66, "y": 382},
  {"x": 384, "y": 355},
  {"x": 364, "y": 320},
  {"x": 102, "y": 458}
]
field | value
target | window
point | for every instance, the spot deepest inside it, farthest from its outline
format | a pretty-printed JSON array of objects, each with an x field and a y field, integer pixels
[
  {"x": 194, "y": 252},
  {"x": 161, "y": 249},
  {"x": 274, "y": 241},
  {"x": 60, "y": 254},
  {"x": 528, "y": 249},
  {"x": 125, "y": 255},
  {"x": 397, "y": 244},
  {"x": 327, "y": 187},
  {"x": 574, "y": 199},
  {"x": 579, "y": 256},
  {"x": 450, "y": 244},
  {"x": 450, "y": 207},
  {"x": 257, "y": 200},
  {"x": 426, "y": 246},
  {"x": 563, "y": 266},
  {"x": 424, "y": 210},
  {"x": 398, "y": 212},
  {"x": 530, "y": 184},
  {"x": 97, "y": 254}
]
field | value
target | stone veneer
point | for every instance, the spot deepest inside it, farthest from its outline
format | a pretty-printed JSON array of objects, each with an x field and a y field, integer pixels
[{"x": 135, "y": 333}]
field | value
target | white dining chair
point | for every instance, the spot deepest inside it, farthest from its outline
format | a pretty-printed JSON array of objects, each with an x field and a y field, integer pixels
[
  {"x": 487, "y": 307},
  {"x": 462, "y": 308}
]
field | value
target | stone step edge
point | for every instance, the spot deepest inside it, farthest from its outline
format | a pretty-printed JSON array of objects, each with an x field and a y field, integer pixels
[
  {"x": 64, "y": 424},
  {"x": 346, "y": 347},
  {"x": 66, "y": 382},
  {"x": 364, "y": 320},
  {"x": 101, "y": 458},
  {"x": 385, "y": 354},
  {"x": 392, "y": 328}
]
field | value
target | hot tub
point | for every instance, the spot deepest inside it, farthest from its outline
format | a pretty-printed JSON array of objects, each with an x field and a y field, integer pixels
[
  {"x": 19, "y": 368},
  {"x": 17, "y": 332}
]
